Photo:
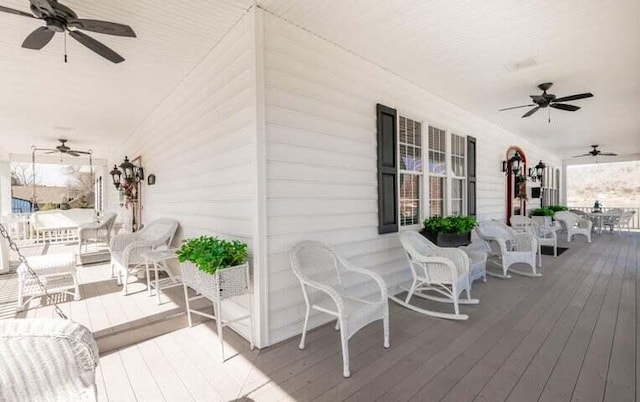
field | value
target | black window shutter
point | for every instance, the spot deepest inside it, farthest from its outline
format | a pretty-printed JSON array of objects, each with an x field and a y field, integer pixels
[
  {"x": 387, "y": 170},
  {"x": 471, "y": 176}
]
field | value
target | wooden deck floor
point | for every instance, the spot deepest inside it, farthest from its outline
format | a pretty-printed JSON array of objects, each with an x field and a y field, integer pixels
[{"x": 571, "y": 335}]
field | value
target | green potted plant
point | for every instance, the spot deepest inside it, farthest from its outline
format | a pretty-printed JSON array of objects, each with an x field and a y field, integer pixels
[
  {"x": 542, "y": 216},
  {"x": 451, "y": 231},
  {"x": 206, "y": 258},
  {"x": 557, "y": 208}
]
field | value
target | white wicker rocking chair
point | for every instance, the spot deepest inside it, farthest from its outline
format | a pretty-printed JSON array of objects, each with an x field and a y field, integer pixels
[
  {"x": 444, "y": 271},
  {"x": 320, "y": 270},
  {"x": 545, "y": 236},
  {"x": 508, "y": 248},
  {"x": 575, "y": 224}
]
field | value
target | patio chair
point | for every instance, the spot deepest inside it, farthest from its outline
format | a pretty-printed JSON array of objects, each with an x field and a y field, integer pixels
[
  {"x": 612, "y": 219},
  {"x": 127, "y": 249},
  {"x": 96, "y": 231},
  {"x": 508, "y": 248},
  {"x": 444, "y": 271},
  {"x": 322, "y": 273},
  {"x": 574, "y": 224},
  {"x": 625, "y": 221},
  {"x": 545, "y": 236},
  {"x": 46, "y": 359}
]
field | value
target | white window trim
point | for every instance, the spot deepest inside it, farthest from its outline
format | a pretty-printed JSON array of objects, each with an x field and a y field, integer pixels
[
  {"x": 423, "y": 193},
  {"x": 451, "y": 176}
]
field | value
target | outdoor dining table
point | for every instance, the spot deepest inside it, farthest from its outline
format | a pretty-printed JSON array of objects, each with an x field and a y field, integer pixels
[{"x": 598, "y": 218}]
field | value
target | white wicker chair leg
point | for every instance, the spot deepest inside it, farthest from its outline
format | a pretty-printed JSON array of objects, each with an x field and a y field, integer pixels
[
  {"x": 76, "y": 286},
  {"x": 125, "y": 281},
  {"x": 218, "y": 314},
  {"x": 304, "y": 328},
  {"x": 344, "y": 337},
  {"x": 186, "y": 300},
  {"x": 410, "y": 292},
  {"x": 385, "y": 327},
  {"x": 337, "y": 327},
  {"x": 146, "y": 270},
  {"x": 539, "y": 254}
]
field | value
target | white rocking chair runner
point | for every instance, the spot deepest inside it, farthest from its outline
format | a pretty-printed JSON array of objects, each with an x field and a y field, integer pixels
[
  {"x": 444, "y": 271},
  {"x": 320, "y": 270}
]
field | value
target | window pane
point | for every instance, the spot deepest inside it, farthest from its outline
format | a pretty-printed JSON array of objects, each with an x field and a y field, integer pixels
[
  {"x": 436, "y": 196},
  {"x": 409, "y": 199},
  {"x": 458, "y": 155},
  {"x": 457, "y": 197},
  {"x": 410, "y": 151},
  {"x": 437, "y": 157}
]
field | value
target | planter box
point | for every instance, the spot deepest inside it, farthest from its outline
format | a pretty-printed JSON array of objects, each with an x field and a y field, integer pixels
[
  {"x": 225, "y": 283},
  {"x": 542, "y": 220},
  {"x": 448, "y": 239}
]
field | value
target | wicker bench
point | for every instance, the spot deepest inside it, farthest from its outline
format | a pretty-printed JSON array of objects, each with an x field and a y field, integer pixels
[{"x": 57, "y": 272}]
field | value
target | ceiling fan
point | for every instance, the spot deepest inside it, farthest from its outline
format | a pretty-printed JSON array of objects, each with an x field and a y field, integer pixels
[
  {"x": 64, "y": 149},
  {"x": 550, "y": 100},
  {"x": 595, "y": 152},
  {"x": 60, "y": 18}
]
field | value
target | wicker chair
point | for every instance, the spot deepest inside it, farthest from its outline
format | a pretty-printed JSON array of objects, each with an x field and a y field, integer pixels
[
  {"x": 546, "y": 236},
  {"x": 96, "y": 232},
  {"x": 47, "y": 360},
  {"x": 574, "y": 224},
  {"x": 508, "y": 248},
  {"x": 127, "y": 248},
  {"x": 322, "y": 272},
  {"x": 444, "y": 271}
]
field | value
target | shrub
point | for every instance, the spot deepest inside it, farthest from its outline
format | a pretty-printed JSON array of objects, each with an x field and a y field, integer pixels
[
  {"x": 542, "y": 212},
  {"x": 450, "y": 224},
  {"x": 210, "y": 253},
  {"x": 556, "y": 208}
]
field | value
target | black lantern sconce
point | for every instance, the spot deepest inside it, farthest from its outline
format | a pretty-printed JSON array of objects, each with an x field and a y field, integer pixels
[
  {"x": 115, "y": 175},
  {"x": 129, "y": 172},
  {"x": 537, "y": 172},
  {"x": 513, "y": 162}
]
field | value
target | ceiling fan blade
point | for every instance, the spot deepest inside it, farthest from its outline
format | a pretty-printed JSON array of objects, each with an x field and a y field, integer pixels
[
  {"x": 50, "y": 152},
  {"x": 96, "y": 46},
  {"x": 563, "y": 106},
  {"x": 72, "y": 153},
  {"x": 79, "y": 152},
  {"x": 608, "y": 154},
  {"x": 16, "y": 12},
  {"x": 530, "y": 112},
  {"x": 515, "y": 107},
  {"x": 103, "y": 27},
  {"x": 574, "y": 97},
  {"x": 38, "y": 38}
]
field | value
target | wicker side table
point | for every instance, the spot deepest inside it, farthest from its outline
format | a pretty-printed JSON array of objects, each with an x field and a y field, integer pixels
[{"x": 225, "y": 283}]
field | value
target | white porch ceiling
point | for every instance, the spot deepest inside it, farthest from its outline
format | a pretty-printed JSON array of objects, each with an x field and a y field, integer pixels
[
  {"x": 462, "y": 51},
  {"x": 90, "y": 101}
]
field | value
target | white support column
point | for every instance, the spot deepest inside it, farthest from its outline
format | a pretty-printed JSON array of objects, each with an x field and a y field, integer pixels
[{"x": 5, "y": 188}]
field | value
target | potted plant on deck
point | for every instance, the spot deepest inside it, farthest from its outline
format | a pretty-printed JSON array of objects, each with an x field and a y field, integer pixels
[
  {"x": 451, "y": 231},
  {"x": 542, "y": 216},
  {"x": 213, "y": 265}
]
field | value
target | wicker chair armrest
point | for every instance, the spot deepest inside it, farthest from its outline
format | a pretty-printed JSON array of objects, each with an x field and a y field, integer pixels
[
  {"x": 501, "y": 243},
  {"x": 372, "y": 276},
  {"x": 453, "y": 269},
  {"x": 526, "y": 242},
  {"x": 121, "y": 241},
  {"x": 585, "y": 224}
]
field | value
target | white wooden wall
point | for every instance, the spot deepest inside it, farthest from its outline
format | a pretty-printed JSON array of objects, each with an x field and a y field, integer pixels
[
  {"x": 200, "y": 142},
  {"x": 321, "y": 159}
]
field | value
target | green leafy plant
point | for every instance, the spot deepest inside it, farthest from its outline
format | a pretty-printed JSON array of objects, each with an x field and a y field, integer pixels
[
  {"x": 542, "y": 212},
  {"x": 211, "y": 253},
  {"x": 450, "y": 224},
  {"x": 556, "y": 208}
]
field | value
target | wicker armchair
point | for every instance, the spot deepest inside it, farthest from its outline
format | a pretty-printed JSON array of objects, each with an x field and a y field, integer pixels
[
  {"x": 444, "y": 271},
  {"x": 47, "y": 360},
  {"x": 127, "y": 248},
  {"x": 546, "y": 236},
  {"x": 508, "y": 248},
  {"x": 96, "y": 232},
  {"x": 321, "y": 272},
  {"x": 574, "y": 224}
]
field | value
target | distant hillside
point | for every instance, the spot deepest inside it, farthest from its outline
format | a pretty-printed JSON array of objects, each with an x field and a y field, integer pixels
[{"x": 613, "y": 184}]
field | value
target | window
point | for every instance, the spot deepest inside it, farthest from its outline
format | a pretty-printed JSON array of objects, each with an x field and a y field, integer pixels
[
  {"x": 410, "y": 146},
  {"x": 458, "y": 180},
  {"x": 437, "y": 171}
]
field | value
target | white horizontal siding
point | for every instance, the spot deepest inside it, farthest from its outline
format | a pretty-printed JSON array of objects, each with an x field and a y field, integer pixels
[
  {"x": 321, "y": 159},
  {"x": 200, "y": 142}
]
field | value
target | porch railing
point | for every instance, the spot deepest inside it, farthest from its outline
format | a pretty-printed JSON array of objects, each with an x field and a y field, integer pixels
[
  {"x": 23, "y": 232},
  {"x": 635, "y": 222}
]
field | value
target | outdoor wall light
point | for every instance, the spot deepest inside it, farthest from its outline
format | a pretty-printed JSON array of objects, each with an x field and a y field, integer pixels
[
  {"x": 115, "y": 175},
  {"x": 514, "y": 162},
  {"x": 537, "y": 172}
]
